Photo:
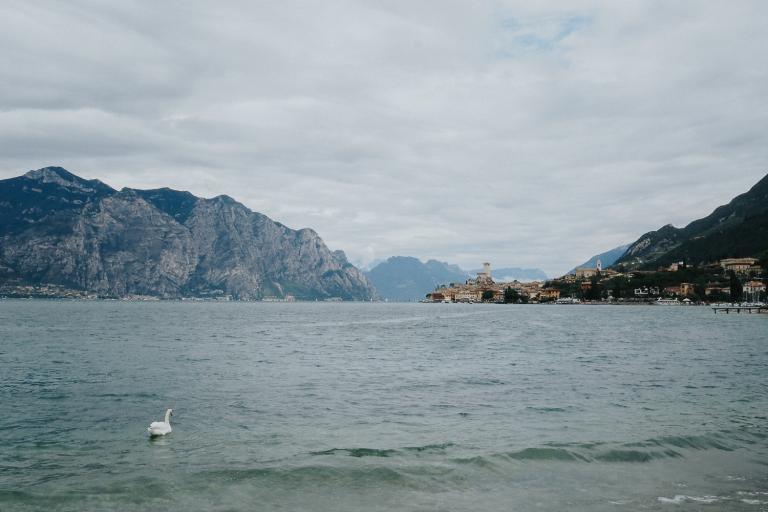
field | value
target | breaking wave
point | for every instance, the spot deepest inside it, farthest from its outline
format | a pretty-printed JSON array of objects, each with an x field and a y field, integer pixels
[{"x": 666, "y": 447}]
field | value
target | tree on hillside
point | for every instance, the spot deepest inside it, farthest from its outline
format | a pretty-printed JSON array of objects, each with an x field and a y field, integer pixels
[
  {"x": 699, "y": 291},
  {"x": 736, "y": 288},
  {"x": 487, "y": 295},
  {"x": 620, "y": 287}
]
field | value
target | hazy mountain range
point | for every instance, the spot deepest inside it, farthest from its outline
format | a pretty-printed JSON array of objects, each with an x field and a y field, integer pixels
[
  {"x": 737, "y": 229},
  {"x": 57, "y": 228},
  {"x": 404, "y": 278}
]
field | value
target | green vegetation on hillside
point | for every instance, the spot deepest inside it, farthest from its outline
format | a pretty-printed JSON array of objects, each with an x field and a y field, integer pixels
[{"x": 737, "y": 229}]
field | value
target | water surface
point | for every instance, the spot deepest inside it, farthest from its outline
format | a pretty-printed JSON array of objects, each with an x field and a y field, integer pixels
[{"x": 314, "y": 406}]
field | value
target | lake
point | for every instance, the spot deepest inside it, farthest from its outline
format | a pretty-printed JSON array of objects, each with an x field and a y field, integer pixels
[{"x": 365, "y": 406}]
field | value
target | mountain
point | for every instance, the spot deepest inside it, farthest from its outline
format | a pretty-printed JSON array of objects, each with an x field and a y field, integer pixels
[
  {"x": 607, "y": 258},
  {"x": 514, "y": 274},
  {"x": 59, "y": 229},
  {"x": 737, "y": 229},
  {"x": 403, "y": 278}
]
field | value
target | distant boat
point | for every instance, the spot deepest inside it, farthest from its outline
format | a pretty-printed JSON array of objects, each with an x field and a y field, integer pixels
[{"x": 667, "y": 302}]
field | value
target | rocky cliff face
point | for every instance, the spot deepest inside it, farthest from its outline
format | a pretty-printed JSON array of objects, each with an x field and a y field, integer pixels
[{"x": 57, "y": 228}]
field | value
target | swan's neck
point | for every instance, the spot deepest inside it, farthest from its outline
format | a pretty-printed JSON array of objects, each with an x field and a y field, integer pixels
[{"x": 168, "y": 416}]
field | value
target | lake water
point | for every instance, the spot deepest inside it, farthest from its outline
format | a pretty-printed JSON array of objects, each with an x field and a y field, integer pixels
[{"x": 412, "y": 407}]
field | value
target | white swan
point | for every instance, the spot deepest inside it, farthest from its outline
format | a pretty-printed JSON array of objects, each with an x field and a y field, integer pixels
[{"x": 160, "y": 428}]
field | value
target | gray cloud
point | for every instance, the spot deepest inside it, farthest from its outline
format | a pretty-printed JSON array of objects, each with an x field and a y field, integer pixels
[{"x": 530, "y": 134}]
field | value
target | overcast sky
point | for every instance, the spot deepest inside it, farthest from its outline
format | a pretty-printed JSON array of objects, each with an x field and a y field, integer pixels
[{"x": 524, "y": 133}]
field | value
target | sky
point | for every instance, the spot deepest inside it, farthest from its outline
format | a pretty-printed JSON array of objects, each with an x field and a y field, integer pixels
[{"x": 531, "y": 134}]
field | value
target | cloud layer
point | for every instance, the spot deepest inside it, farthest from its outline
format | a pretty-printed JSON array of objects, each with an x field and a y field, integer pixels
[{"x": 527, "y": 135}]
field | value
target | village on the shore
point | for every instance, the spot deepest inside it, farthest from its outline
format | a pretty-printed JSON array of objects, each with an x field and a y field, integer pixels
[{"x": 731, "y": 280}]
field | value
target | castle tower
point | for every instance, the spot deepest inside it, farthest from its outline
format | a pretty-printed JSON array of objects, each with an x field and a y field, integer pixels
[{"x": 487, "y": 269}]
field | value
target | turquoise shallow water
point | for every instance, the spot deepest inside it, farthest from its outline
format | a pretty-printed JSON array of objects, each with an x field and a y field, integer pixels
[{"x": 381, "y": 407}]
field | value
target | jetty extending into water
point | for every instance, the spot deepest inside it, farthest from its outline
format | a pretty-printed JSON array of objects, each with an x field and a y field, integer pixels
[{"x": 740, "y": 308}]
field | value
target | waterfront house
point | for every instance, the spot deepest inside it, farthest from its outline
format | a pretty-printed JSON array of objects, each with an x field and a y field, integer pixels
[
  {"x": 549, "y": 293},
  {"x": 683, "y": 290},
  {"x": 754, "y": 290}
]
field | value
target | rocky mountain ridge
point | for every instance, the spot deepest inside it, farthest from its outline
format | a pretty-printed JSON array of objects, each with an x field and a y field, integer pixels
[{"x": 57, "y": 228}]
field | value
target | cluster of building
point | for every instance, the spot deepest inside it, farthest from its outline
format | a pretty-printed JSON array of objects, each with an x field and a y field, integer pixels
[
  {"x": 484, "y": 289},
  {"x": 753, "y": 287},
  {"x": 742, "y": 267}
]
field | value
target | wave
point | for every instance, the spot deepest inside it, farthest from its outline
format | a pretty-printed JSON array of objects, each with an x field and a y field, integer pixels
[
  {"x": 636, "y": 455},
  {"x": 545, "y": 409},
  {"x": 649, "y": 450},
  {"x": 683, "y": 498},
  {"x": 668, "y": 447},
  {"x": 386, "y": 452},
  {"x": 358, "y": 452},
  {"x": 701, "y": 442},
  {"x": 140, "y": 394},
  {"x": 576, "y": 453},
  {"x": 309, "y": 474},
  {"x": 545, "y": 454}
]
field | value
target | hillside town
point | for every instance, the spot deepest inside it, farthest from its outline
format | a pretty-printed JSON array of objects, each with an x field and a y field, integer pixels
[
  {"x": 728, "y": 280},
  {"x": 484, "y": 289}
]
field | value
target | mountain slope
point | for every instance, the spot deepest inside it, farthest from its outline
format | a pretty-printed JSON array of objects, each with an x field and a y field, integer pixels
[
  {"x": 403, "y": 278},
  {"x": 732, "y": 230},
  {"x": 57, "y": 228}
]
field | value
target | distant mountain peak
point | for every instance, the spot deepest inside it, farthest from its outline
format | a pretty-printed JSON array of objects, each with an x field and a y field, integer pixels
[
  {"x": 223, "y": 198},
  {"x": 64, "y": 178},
  {"x": 51, "y": 173}
]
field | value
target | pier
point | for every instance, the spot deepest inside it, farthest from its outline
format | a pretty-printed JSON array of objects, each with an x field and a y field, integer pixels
[{"x": 739, "y": 309}]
